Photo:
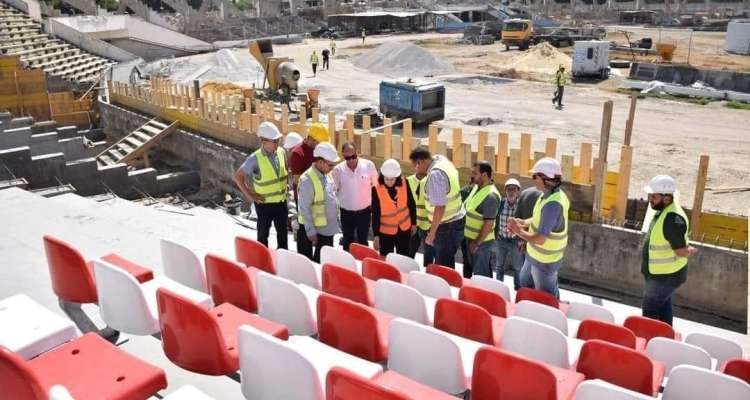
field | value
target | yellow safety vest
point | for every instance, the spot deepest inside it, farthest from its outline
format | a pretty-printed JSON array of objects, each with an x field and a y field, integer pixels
[
  {"x": 454, "y": 205},
  {"x": 271, "y": 184},
  {"x": 561, "y": 79},
  {"x": 661, "y": 258},
  {"x": 475, "y": 220},
  {"x": 314, "y": 59},
  {"x": 553, "y": 248},
  {"x": 319, "y": 200},
  {"x": 423, "y": 222}
]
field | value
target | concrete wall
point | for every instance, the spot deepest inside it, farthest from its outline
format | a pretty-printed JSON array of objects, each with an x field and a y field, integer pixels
[
  {"x": 86, "y": 42},
  {"x": 687, "y": 75}
]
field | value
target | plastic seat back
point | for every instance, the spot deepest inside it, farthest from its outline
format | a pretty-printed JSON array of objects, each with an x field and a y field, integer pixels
[
  {"x": 282, "y": 301},
  {"x": 254, "y": 254},
  {"x": 332, "y": 255},
  {"x": 376, "y": 269},
  {"x": 190, "y": 336},
  {"x": 594, "y": 329},
  {"x": 493, "y": 285},
  {"x": 231, "y": 282},
  {"x": 648, "y": 328},
  {"x": 122, "y": 304},
  {"x": 360, "y": 252},
  {"x": 429, "y": 285},
  {"x": 738, "y": 368},
  {"x": 17, "y": 380},
  {"x": 401, "y": 300},
  {"x": 343, "y": 282},
  {"x": 464, "y": 319},
  {"x": 272, "y": 369},
  {"x": 502, "y": 375},
  {"x": 403, "y": 263},
  {"x": 537, "y": 296},
  {"x": 535, "y": 340},
  {"x": 350, "y": 327},
  {"x": 597, "y": 389},
  {"x": 450, "y": 275},
  {"x": 673, "y": 353},
  {"x": 342, "y": 384},
  {"x": 297, "y": 268},
  {"x": 581, "y": 311},
  {"x": 490, "y": 301},
  {"x": 634, "y": 369},
  {"x": 718, "y": 347},
  {"x": 72, "y": 279},
  {"x": 542, "y": 313},
  {"x": 182, "y": 265},
  {"x": 688, "y": 382}
]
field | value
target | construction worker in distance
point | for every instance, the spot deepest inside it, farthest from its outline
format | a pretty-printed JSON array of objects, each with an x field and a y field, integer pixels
[
  {"x": 318, "y": 209},
  {"x": 314, "y": 62},
  {"x": 507, "y": 250},
  {"x": 363, "y": 35},
  {"x": 443, "y": 203},
  {"x": 416, "y": 186},
  {"x": 333, "y": 47},
  {"x": 665, "y": 251},
  {"x": 268, "y": 168},
  {"x": 394, "y": 213},
  {"x": 560, "y": 81},
  {"x": 481, "y": 211},
  {"x": 546, "y": 232}
]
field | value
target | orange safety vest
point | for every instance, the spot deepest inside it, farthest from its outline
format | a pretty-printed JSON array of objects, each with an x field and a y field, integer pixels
[{"x": 393, "y": 214}]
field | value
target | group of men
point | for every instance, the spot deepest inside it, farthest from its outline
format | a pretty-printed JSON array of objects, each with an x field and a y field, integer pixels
[{"x": 326, "y": 58}]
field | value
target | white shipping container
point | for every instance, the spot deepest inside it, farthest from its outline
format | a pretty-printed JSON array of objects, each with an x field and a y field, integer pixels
[
  {"x": 738, "y": 36},
  {"x": 591, "y": 58}
]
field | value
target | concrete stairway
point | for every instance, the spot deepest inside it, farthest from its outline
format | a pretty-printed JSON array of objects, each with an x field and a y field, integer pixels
[{"x": 136, "y": 144}]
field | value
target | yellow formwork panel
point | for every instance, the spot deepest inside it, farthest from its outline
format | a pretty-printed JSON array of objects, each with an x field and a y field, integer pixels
[{"x": 724, "y": 227}]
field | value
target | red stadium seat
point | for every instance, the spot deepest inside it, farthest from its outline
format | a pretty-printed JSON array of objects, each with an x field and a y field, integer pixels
[
  {"x": 348, "y": 284},
  {"x": 231, "y": 282},
  {"x": 593, "y": 329},
  {"x": 620, "y": 366},
  {"x": 490, "y": 301},
  {"x": 450, "y": 275},
  {"x": 375, "y": 269},
  {"x": 342, "y": 384},
  {"x": 360, "y": 252},
  {"x": 649, "y": 328},
  {"x": 254, "y": 254},
  {"x": 469, "y": 321},
  {"x": 541, "y": 297},
  {"x": 737, "y": 367}
]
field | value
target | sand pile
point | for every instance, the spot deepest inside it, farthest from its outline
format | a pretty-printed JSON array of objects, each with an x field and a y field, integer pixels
[
  {"x": 396, "y": 59},
  {"x": 542, "y": 58}
]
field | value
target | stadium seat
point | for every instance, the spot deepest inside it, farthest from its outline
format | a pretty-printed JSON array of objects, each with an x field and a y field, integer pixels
[
  {"x": 231, "y": 282},
  {"x": 360, "y": 252},
  {"x": 90, "y": 368},
  {"x": 295, "y": 369},
  {"x": 375, "y": 269},
  {"x": 206, "y": 341},
  {"x": 717, "y": 347},
  {"x": 688, "y": 382},
  {"x": 288, "y": 303},
  {"x": 187, "y": 392},
  {"x": 343, "y": 282},
  {"x": 542, "y": 313},
  {"x": 403, "y": 263},
  {"x": 581, "y": 311},
  {"x": 429, "y": 285},
  {"x": 673, "y": 353},
  {"x": 183, "y": 265},
  {"x": 332, "y": 255},
  {"x": 129, "y": 306},
  {"x": 450, "y": 275},
  {"x": 648, "y": 328},
  {"x": 29, "y": 329},
  {"x": 354, "y": 328},
  {"x": 617, "y": 334},
  {"x": 343, "y": 384},
  {"x": 490, "y": 301},
  {"x": 539, "y": 342},
  {"x": 404, "y": 301},
  {"x": 634, "y": 371},
  {"x": 254, "y": 254},
  {"x": 499, "y": 374},
  {"x": 493, "y": 285},
  {"x": 430, "y": 356},
  {"x": 469, "y": 321},
  {"x": 298, "y": 268},
  {"x": 737, "y": 367},
  {"x": 597, "y": 389},
  {"x": 541, "y": 297}
]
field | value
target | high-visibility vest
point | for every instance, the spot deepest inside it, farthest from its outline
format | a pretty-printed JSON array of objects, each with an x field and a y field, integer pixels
[
  {"x": 553, "y": 248},
  {"x": 394, "y": 215},
  {"x": 423, "y": 222},
  {"x": 454, "y": 205},
  {"x": 560, "y": 79},
  {"x": 314, "y": 59},
  {"x": 475, "y": 220},
  {"x": 319, "y": 200},
  {"x": 271, "y": 184},
  {"x": 661, "y": 258}
]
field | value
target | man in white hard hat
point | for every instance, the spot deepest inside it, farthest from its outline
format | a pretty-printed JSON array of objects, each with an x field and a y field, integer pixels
[
  {"x": 354, "y": 178},
  {"x": 268, "y": 168},
  {"x": 665, "y": 250},
  {"x": 546, "y": 232},
  {"x": 508, "y": 252},
  {"x": 291, "y": 140},
  {"x": 318, "y": 209},
  {"x": 394, "y": 213}
]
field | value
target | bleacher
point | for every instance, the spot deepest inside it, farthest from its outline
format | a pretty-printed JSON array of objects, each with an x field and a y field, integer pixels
[
  {"x": 163, "y": 297},
  {"x": 22, "y": 36}
]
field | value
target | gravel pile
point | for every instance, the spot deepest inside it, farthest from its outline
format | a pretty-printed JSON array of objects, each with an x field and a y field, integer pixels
[{"x": 398, "y": 59}]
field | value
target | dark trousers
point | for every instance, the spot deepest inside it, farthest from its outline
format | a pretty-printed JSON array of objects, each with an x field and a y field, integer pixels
[
  {"x": 657, "y": 298},
  {"x": 401, "y": 242},
  {"x": 305, "y": 246},
  {"x": 275, "y": 213},
  {"x": 355, "y": 226},
  {"x": 447, "y": 241},
  {"x": 466, "y": 259},
  {"x": 558, "y": 95},
  {"x": 429, "y": 251},
  {"x": 325, "y": 63},
  {"x": 315, "y": 69}
]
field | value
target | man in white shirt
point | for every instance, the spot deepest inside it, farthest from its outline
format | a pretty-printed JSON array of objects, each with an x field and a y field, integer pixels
[{"x": 354, "y": 178}]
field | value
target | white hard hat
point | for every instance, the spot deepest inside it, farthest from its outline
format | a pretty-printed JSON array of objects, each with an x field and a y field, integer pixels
[
  {"x": 512, "y": 182},
  {"x": 292, "y": 139},
  {"x": 390, "y": 168},
  {"x": 326, "y": 151},
  {"x": 547, "y": 166},
  {"x": 269, "y": 131},
  {"x": 661, "y": 184}
]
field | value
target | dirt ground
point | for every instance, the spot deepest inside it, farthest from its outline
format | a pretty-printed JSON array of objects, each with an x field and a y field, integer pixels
[{"x": 669, "y": 136}]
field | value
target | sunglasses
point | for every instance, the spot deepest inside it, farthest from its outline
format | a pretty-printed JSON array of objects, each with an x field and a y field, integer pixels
[
  {"x": 350, "y": 158},
  {"x": 269, "y": 140}
]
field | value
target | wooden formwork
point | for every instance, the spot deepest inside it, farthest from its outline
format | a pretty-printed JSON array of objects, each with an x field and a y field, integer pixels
[
  {"x": 23, "y": 92},
  {"x": 66, "y": 110}
]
